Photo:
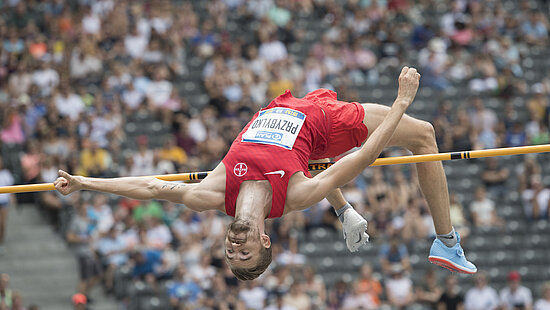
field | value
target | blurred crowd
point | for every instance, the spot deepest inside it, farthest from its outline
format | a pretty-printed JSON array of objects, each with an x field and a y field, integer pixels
[{"x": 75, "y": 74}]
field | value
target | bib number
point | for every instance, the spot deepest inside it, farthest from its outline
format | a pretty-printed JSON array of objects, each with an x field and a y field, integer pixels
[{"x": 275, "y": 126}]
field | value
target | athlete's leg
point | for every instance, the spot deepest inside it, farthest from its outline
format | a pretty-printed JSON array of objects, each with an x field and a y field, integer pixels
[
  {"x": 354, "y": 225},
  {"x": 418, "y": 137}
]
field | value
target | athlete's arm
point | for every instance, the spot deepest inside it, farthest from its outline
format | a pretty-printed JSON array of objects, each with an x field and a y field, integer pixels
[
  {"x": 335, "y": 197},
  {"x": 197, "y": 197},
  {"x": 346, "y": 169}
]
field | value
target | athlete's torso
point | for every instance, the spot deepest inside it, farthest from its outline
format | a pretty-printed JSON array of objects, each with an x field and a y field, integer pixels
[{"x": 274, "y": 145}]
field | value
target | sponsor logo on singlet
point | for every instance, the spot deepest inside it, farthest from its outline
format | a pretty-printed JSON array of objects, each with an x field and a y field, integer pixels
[
  {"x": 240, "y": 169},
  {"x": 275, "y": 126}
]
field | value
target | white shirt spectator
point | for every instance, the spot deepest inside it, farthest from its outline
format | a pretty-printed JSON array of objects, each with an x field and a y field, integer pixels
[
  {"x": 136, "y": 45},
  {"x": 81, "y": 66},
  {"x": 158, "y": 92},
  {"x": 399, "y": 288},
  {"x": 197, "y": 130},
  {"x": 159, "y": 236},
  {"x": 203, "y": 275},
  {"x": 71, "y": 105},
  {"x": 132, "y": 98},
  {"x": 542, "y": 304},
  {"x": 143, "y": 163},
  {"x": 483, "y": 209},
  {"x": 272, "y": 51},
  {"x": 102, "y": 7},
  {"x": 105, "y": 218},
  {"x": 91, "y": 24},
  {"x": 101, "y": 126},
  {"x": 160, "y": 24},
  {"x": 543, "y": 197},
  {"x": 521, "y": 296},
  {"x": 485, "y": 298},
  {"x": 253, "y": 298},
  {"x": 6, "y": 179},
  {"x": 46, "y": 79},
  {"x": 183, "y": 228}
]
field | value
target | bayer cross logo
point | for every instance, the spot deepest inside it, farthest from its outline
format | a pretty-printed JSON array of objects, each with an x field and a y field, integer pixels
[{"x": 240, "y": 169}]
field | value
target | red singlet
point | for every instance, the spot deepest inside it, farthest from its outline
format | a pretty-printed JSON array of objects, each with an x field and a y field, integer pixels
[{"x": 280, "y": 139}]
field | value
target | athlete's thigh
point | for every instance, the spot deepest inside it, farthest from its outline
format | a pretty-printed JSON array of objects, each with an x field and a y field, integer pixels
[{"x": 408, "y": 132}]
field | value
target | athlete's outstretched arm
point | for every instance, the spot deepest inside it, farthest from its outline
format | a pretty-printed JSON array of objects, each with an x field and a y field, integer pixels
[
  {"x": 347, "y": 168},
  {"x": 143, "y": 188}
]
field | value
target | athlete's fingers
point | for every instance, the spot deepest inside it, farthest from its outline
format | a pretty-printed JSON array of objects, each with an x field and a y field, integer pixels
[
  {"x": 64, "y": 175},
  {"x": 404, "y": 71}
]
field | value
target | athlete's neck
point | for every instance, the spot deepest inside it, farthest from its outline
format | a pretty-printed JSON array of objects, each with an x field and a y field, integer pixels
[{"x": 254, "y": 202}]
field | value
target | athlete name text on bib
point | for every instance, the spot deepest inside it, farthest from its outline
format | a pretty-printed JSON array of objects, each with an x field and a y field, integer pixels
[{"x": 275, "y": 126}]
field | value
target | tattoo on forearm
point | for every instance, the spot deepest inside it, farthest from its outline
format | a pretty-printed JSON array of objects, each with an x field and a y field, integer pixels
[{"x": 172, "y": 185}]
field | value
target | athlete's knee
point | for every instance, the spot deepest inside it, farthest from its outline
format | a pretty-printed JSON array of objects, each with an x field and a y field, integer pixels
[{"x": 425, "y": 138}]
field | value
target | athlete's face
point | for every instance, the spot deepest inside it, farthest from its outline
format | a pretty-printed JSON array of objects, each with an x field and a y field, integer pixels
[{"x": 243, "y": 243}]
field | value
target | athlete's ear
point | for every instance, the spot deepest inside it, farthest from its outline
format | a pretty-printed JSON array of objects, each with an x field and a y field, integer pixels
[{"x": 265, "y": 240}]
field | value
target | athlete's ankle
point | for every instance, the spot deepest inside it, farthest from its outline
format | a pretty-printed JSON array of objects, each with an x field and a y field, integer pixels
[
  {"x": 340, "y": 212},
  {"x": 448, "y": 239}
]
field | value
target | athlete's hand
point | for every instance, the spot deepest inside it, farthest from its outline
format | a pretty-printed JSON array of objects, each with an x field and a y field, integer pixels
[
  {"x": 67, "y": 183},
  {"x": 409, "y": 79},
  {"x": 355, "y": 230}
]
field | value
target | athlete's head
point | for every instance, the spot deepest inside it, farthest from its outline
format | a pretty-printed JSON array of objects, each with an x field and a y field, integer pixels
[{"x": 247, "y": 250}]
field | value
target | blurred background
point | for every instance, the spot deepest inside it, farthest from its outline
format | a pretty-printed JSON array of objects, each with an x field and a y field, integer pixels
[{"x": 109, "y": 88}]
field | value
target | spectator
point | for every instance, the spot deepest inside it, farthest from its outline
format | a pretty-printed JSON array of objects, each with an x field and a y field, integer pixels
[
  {"x": 79, "y": 236},
  {"x": 515, "y": 295},
  {"x": 100, "y": 214},
  {"x": 17, "y": 303},
  {"x": 392, "y": 254},
  {"x": 94, "y": 161},
  {"x": 143, "y": 158},
  {"x": 147, "y": 262},
  {"x": 399, "y": 288},
  {"x": 483, "y": 210},
  {"x": 367, "y": 284},
  {"x": 481, "y": 296},
  {"x": 279, "y": 303},
  {"x": 494, "y": 177},
  {"x": 182, "y": 291},
  {"x": 358, "y": 300},
  {"x": 429, "y": 291},
  {"x": 253, "y": 295},
  {"x": 6, "y": 294},
  {"x": 69, "y": 104},
  {"x": 6, "y": 179},
  {"x": 452, "y": 297},
  {"x": 544, "y": 302},
  {"x": 535, "y": 29},
  {"x": 297, "y": 297},
  {"x": 315, "y": 288},
  {"x": 458, "y": 218},
  {"x": 271, "y": 49},
  {"x": 113, "y": 250},
  {"x": 536, "y": 199},
  {"x": 172, "y": 152}
]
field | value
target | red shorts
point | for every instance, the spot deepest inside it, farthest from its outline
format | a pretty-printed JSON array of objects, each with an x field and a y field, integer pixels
[{"x": 347, "y": 129}]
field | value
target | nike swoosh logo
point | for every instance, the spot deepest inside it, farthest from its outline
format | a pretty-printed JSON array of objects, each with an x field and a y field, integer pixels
[{"x": 281, "y": 172}]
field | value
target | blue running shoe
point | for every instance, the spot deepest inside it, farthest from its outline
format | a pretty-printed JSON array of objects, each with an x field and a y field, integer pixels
[{"x": 451, "y": 258}]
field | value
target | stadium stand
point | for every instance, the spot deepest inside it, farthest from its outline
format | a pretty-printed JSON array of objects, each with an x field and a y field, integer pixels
[{"x": 122, "y": 88}]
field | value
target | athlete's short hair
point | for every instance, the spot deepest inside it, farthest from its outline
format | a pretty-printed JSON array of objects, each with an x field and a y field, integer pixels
[{"x": 245, "y": 274}]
